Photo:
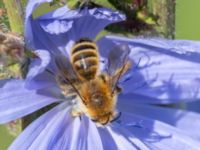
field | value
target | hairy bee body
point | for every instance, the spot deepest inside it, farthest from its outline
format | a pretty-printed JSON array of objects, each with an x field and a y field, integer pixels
[
  {"x": 96, "y": 91},
  {"x": 85, "y": 59},
  {"x": 100, "y": 103}
]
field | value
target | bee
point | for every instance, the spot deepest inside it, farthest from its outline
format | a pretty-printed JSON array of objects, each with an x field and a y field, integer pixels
[{"x": 96, "y": 90}]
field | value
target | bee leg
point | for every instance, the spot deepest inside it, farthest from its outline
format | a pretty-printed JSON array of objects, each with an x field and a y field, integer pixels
[
  {"x": 75, "y": 113},
  {"x": 116, "y": 117},
  {"x": 103, "y": 77}
]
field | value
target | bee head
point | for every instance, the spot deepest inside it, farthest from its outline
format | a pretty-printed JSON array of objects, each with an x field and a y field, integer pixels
[{"x": 104, "y": 118}]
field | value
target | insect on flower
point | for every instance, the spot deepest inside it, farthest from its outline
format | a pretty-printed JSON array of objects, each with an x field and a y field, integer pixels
[
  {"x": 97, "y": 90},
  {"x": 67, "y": 64}
]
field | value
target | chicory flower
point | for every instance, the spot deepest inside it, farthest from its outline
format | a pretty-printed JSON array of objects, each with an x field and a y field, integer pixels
[{"x": 166, "y": 72}]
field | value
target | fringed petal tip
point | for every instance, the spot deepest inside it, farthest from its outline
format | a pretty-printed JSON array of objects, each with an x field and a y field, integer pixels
[
  {"x": 56, "y": 27},
  {"x": 108, "y": 14},
  {"x": 83, "y": 20},
  {"x": 66, "y": 13},
  {"x": 59, "y": 27},
  {"x": 98, "y": 13},
  {"x": 37, "y": 76},
  {"x": 32, "y": 5}
]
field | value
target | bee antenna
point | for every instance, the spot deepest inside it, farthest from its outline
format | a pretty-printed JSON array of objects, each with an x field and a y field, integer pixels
[
  {"x": 116, "y": 118},
  {"x": 106, "y": 121}
]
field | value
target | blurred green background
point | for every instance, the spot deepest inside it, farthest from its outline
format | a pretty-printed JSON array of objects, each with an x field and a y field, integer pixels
[
  {"x": 5, "y": 138},
  {"x": 187, "y": 19},
  {"x": 187, "y": 27}
]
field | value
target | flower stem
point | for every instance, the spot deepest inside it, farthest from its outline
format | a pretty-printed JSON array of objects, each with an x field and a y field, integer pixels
[
  {"x": 165, "y": 9},
  {"x": 15, "y": 15},
  {"x": 14, "y": 11}
]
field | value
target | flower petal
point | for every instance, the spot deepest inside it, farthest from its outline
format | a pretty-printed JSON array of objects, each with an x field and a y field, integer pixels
[
  {"x": 73, "y": 136},
  {"x": 16, "y": 101},
  {"x": 178, "y": 118},
  {"x": 107, "y": 140},
  {"x": 193, "y": 106},
  {"x": 155, "y": 133},
  {"x": 56, "y": 29},
  {"x": 65, "y": 139},
  {"x": 93, "y": 137},
  {"x": 48, "y": 127},
  {"x": 123, "y": 141},
  {"x": 164, "y": 69},
  {"x": 48, "y": 136},
  {"x": 76, "y": 139},
  {"x": 125, "y": 137},
  {"x": 84, "y": 136},
  {"x": 30, "y": 7},
  {"x": 37, "y": 76},
  {"x": 83, "y": 22}
]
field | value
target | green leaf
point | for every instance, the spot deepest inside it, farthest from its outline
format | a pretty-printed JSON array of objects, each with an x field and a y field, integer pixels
[
  {"x": 6, "y": 138},
  {"x": 71, "y": 3},
  {"x": 105, "y": 3},
  {"x": 43, "y": 9},
  {"x": 75, "y": 4},
  {"x": 15, "y": 17}
]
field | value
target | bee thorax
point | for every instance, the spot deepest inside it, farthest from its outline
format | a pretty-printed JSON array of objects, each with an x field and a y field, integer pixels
[{"x": 97, "y": 102}]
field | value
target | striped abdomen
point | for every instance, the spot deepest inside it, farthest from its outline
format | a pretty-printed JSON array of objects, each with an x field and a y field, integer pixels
[{"x": 85, "y": 59}]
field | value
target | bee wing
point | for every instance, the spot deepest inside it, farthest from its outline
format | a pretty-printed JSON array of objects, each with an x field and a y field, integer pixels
[
  {"x": 118, "y": 64},
  {"x": 65, "y": 68},
  {"x": 65, "y": 74},
  {"x": 117, "y": 58}
]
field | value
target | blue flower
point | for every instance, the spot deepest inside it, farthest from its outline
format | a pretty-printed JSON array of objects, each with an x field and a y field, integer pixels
[{"x": 165, "y": 72}]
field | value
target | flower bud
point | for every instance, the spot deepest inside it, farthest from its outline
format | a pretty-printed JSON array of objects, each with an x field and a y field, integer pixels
[{"x": 11, "y": 48}]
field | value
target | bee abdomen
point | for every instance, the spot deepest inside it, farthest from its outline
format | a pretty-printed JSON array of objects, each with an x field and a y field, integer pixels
[{"x": 85, "y": 59}]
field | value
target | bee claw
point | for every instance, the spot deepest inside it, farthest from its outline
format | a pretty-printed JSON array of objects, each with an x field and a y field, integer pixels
[{"x": 76, "y": 113}]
